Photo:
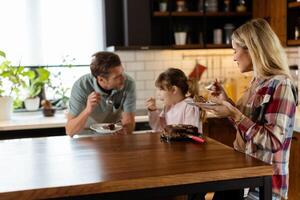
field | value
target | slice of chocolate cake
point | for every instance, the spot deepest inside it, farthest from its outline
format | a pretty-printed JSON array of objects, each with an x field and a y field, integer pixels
[
  {"x": 179, "y": 132},
  {"x": 109, "y": 127}
]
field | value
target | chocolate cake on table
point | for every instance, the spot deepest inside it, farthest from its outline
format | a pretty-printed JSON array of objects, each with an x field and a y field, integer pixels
[{"x": 179, "y": 132}]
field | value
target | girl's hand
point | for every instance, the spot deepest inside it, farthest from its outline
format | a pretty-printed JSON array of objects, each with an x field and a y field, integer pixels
[{"x": 151, "y": 104}]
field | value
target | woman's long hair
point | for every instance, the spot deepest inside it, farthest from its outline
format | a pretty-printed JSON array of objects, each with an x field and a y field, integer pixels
[{"x": 267, "y": 54}]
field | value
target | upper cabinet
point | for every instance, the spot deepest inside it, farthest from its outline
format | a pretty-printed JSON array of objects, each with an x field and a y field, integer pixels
[
  {"x": 197, "y": 23},
  {"x": 178, "y": 24},
  {"x": 293, "y": 25},
  {"x": 274, "y": 11},
  {"x": 283, "y": 16},
  {"x": 188, "y": 24}
]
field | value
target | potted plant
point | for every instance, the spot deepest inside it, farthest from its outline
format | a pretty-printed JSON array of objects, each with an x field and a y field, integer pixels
[
  {"x": 163, "y": 5},
  {"x": 12, "y": 79},
  {"x": 180, "y": 35},
  {"x": 37, "y": 79}
]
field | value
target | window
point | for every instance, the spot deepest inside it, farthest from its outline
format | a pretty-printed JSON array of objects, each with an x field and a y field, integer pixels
[{"x": 41, "y": 33}]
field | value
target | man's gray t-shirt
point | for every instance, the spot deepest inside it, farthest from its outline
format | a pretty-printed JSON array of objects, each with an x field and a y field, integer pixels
[{"x": 124, "y": 100}]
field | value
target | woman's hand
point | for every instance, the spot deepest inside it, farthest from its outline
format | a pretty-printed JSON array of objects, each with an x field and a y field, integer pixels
[
  {"x": 222, "y": 109},
  {"x": 151, "y": 104},
  {"x": 217, "y": 90}
]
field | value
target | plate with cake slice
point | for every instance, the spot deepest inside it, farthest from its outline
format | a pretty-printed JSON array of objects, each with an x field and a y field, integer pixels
[
  {"x": 105, "y": 127},
  {"x": 207, "y": 103}
]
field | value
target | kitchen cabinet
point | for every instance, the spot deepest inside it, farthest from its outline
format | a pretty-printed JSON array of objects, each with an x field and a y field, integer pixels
[
  {"x": 274, "y": 11},
  {"x": 220, "y": 129},
  {"x": 283, "y": 16},
  {"x": 204, "y": 22},
  {"x": 127, "y": 22},
  {"x": 293, "y": 25},
  {"x": 139, "y": 24},
  {"x": 294, "y": 165}
]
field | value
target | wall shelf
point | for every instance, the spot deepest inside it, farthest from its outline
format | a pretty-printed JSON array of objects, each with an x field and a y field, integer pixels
[
  {"x": 293, "y": 42},
  {"x": 294, "y": 4}
]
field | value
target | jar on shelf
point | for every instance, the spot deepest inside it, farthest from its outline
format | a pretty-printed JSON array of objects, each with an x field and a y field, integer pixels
[
  {"x": 180, "y": 6},
  {"x": 226, "y": 5},
  {"x": 200, "y": 5},
  {"x": 228, "y": 29},
  {"x": 297, "y": 33},
  {"x": 211, "y": 5},
  {"x": 297, "y": 29},
  {"x": 241, "y": 6}
]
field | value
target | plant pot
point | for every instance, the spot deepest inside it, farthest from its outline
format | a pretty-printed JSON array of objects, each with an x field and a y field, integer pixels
[
  {"x": 163, "y": 6},
  {"x": 180, "y": 38},
  {"x": 32, "y": 104},
  {"x": 6, "y": 108},
  {"x": 49, "y": 112}
]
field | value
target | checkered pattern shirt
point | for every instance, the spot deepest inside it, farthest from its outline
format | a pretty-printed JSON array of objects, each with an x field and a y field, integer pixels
[{"x": 269, "y": 141}]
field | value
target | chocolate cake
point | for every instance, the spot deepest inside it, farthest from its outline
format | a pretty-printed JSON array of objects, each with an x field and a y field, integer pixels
[
  {"x": 109, "y": 127},
  {"x": 179, "y": 132}
]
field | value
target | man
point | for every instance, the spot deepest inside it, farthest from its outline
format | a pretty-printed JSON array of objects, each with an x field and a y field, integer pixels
[{"x": 106, "y": 95}]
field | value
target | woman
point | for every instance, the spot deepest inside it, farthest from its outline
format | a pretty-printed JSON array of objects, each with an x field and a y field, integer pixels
[{"x": 264, "y": 116}]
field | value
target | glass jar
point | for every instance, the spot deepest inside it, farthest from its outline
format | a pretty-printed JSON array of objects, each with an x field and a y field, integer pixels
[
  {"x": 228, "y": 29},
  {"x": 241, "y": 6}
]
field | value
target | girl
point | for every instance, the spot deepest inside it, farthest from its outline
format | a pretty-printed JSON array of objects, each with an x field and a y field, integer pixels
[{"x": 173, "y": 87}]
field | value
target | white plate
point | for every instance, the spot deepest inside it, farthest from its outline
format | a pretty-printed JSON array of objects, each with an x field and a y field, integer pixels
[
  {"x": 203, "y": 104},
  {"x": 99, "y": 128},
  {"x": 207, "y": 104}
]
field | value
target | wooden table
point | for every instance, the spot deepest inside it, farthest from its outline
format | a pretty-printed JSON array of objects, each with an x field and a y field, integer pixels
[{"x": 137, "y": 166}]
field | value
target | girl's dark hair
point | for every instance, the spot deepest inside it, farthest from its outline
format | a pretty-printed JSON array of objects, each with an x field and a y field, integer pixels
[
  {"x": 172, "y": 77},
  {"x": 176, "y": 77},
  {"x": 102, "y": 62}
]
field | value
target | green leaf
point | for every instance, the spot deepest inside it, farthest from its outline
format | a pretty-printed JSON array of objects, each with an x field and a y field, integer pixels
[{"x": 2, "y": 54}]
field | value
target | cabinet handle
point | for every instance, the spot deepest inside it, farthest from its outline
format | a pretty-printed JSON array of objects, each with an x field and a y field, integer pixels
[{"x": 294, "y": 138}]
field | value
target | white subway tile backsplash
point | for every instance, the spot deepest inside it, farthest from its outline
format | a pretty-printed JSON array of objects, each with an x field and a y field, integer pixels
[
  {"x": 146, "y": 75},
  {"x": 293, "y": 61},
  {"x": 154, "y": 65},
  {"x": 131, "y": 74},
  {"x": 140, "y": 104},
  {"x": 144, "y": 55},
  {"x": 173, "y": 63},
  {"x": 134, "y": 66},
  {"x": 140, "y": 85},
  {"x": 150, "y": 85},
  {"x": 177, "y": 54},
  {"x": 163, "y": 55},
  {"x": 145, "y": 94},
  {"x": 126, "y": 55}
]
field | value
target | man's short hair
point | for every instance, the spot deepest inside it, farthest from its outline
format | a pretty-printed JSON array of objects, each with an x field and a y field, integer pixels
[{"x": 103, "y": 61}]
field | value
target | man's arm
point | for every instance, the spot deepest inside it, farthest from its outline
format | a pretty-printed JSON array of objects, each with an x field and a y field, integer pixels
[
  {"x": 76, "y": 124},
  {"x": 128, "y": 122}
]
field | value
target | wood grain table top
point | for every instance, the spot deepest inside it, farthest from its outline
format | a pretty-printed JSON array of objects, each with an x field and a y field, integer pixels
[{"x": 61, "y": 166}]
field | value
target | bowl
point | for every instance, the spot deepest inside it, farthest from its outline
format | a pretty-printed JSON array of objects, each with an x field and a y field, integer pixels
[{"x": 49, "y": 112}]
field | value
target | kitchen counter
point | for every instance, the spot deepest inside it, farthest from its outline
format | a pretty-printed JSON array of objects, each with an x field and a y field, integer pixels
[{"x": 36, "y": 120}]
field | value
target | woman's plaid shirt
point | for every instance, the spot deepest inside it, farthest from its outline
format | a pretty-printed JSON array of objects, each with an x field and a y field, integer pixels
[{"x": 270, "y": 141}]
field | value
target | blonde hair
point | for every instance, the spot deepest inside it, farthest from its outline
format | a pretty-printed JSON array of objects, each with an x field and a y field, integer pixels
[{"x": 267, "y": 54}]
